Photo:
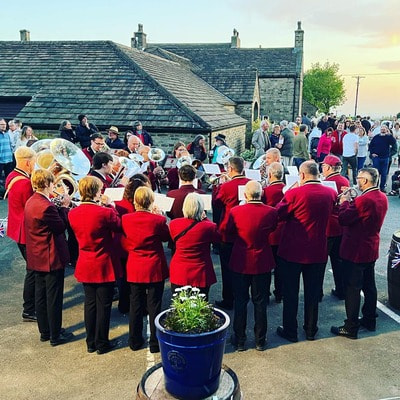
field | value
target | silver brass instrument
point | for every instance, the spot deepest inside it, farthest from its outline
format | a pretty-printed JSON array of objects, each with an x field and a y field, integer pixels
[
  {"x": 156, "y": 154},
  {"x": 353, "y": 193},
  {"x": 184, "y": 160},
  {"x": 127, "y": 168},
  {"x": 224, "y": 154},
  {"x": 216, "y": 179},
  {"x": 136, "y": 157}
]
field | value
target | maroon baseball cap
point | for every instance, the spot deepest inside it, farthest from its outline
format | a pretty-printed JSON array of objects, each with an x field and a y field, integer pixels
[{"x": 333, "y": 161}]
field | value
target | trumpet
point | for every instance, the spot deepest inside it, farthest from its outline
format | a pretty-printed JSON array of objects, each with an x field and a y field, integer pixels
[
  {"x": 352, "y": 193},
  {"x": 216, "y": 180}
]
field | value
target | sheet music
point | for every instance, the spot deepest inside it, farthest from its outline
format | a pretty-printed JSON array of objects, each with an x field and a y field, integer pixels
[
  {"x": 253, "y": 174},
  {"x": 207, "y": 201},
  {"x": 115, "y": 194},
  {"x": 212, "y": 169},
  {"x": 293, "y": 170},
  {"x": 163, "y": 202},
  {"x": 330, "y": 184}
]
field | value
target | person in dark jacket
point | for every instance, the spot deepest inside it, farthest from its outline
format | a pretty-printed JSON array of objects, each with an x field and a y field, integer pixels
[
  {"x": 197, "y": 148},
  {"x": 84, "y": 130},
  {"x": 143, "y": 135},
  {"x": 66, "y": 131},
  {"x": 113, "y": 141}
]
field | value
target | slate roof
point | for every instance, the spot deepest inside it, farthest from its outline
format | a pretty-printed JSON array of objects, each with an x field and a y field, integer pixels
[
  {"x": 113, "y": 84},
  {"x": 268, "y": 62}
]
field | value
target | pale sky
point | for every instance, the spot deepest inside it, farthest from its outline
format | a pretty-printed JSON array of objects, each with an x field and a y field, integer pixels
[{"x": 362, "y": 36}]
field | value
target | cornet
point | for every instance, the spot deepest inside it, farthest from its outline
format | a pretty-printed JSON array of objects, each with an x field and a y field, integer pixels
[{"x": 351, "y": 191}]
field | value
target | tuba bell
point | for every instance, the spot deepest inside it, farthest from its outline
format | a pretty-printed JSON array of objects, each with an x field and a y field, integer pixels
[
  {"x": 224, "y": 154},
  {"x": 156, "y": 154}
]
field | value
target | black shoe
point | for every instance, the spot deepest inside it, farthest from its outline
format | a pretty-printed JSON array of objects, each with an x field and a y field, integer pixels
[
  {"x": 29, "y": 317},
  {"x": 369, "y": 326},
  {"x": 91, "y": 349},
  {"x": 278, "y": 299},
  {"x": 154, "y": 348},
  {"x": 137, "y": 346},
  {"x": 261, "y": 346},
  {"x": 239, "y": 346},
  {"x": 321, "y": 296},
  {"x": 223, "y": 304},
  {"x": 46, "y": 338},
  {"x": 112, "y": 344},
  {"x": 310, "y": 335},
  {"x": 280, "y": 331},
  {"x": 62, "y": 338},
  {"x": 337, "y": 294},
  {"x": 342, "y": 331}
]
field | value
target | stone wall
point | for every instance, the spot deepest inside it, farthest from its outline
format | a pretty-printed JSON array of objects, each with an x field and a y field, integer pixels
[
  {"x": 277, "y": 98},
  {"x": 235, "y": 137}
]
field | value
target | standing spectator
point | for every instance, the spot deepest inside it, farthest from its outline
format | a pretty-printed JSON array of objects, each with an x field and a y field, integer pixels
[
  {"x": 84, "y": 130},
  {"x": 66, "y": 131},
  {"x": 47, "y": 255},
  {"x": 14, "y": 133},
  {"x": 366, "y": 124},
  {"x": 251, "y": 263},
  {"x": 19, "y": 189},
  {"x": 260, "y": 139},
  {"x": 93, "y": 226},
  {"x": 362, "y": 220},
  {"x": 275, "y": 137},
  {"x": 143, "y": 135},
  {"x": 305, "y": 209},
  {"x": 362, "y": 148},
  {"x": 193, "y": 235},
  {"x": 350, "y": 150},
  {"x": 113, "y": 141},
  {"x": 324, "y": 145},
  {"x": 226, "y": 197},
  {"x": 379, "y": 149},
  {"x": 287, "y": 145},
  {"x": 300, "y": 147},
  {"x": 96, "y": 146},
  {"x": 323, "y": 123},
  {"x": 146, "y": 267},
  {"x": 197, "y": 148},
  {"x": 313, "y": 140},
  {"x": 187, "y": 174},
  {"x": 26, "y": 138},
  {"x": 306, "y": 121},
  {"x": 337, "y": 140},
  {"x": 220, "y": 140},
  {"x": 6, "y": 154}
]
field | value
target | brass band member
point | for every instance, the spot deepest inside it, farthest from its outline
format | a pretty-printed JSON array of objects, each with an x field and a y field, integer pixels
[
  {"x": 102, "y": 168},
  {"x": 362, "y": 221},
  {"x": 146, "y": 266},
  {"x": 93, "y": 226},
  {"x": 96, "y": 146},
  {"x": 303, "y": 248},
  {"x": 19, "y": 189},
  {"x": 47, "y": 255}
]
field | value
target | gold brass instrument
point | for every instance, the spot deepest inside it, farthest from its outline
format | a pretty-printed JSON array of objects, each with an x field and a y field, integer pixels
[{"x": 65, "y": 161}]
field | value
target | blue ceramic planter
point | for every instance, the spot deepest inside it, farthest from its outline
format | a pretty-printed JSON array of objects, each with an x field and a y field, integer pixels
[{"x": 192, "y": 362}]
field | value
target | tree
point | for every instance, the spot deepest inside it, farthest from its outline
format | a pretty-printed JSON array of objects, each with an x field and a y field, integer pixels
[{"x": 323, "y": 86}]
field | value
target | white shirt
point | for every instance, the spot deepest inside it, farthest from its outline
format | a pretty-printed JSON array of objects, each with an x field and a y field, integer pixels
[
  {"x": 362, "y": 146},
  {"x": 349, "y": 147}
]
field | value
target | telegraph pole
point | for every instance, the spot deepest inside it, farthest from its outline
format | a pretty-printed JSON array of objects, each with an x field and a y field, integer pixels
[{"x": 358, "y": 77}]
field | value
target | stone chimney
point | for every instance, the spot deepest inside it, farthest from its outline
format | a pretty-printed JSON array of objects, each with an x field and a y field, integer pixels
[
  {"x": 25, "y": 35},
  {"x": 235, "y": 41},
  {"x": 139, "y": 40},
  {"x": 299, "y": 36}
]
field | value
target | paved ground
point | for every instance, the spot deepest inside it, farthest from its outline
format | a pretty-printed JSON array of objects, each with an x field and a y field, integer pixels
[{"x": 328, "y": 368}]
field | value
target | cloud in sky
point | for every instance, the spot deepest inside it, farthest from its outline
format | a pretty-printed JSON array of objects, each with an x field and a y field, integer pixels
[{"x": 390, "y": 66}]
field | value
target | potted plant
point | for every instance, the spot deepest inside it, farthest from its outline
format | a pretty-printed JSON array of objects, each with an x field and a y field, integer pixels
[{"x": 192, "y": 335}]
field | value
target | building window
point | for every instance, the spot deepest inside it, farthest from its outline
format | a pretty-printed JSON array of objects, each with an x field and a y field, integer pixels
[{"x": 256, "y": 112}]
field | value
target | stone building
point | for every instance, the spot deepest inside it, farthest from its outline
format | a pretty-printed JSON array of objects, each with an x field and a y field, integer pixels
[
  {"x": 260, "y": 81},
  {"x": 43, "y": 83}
]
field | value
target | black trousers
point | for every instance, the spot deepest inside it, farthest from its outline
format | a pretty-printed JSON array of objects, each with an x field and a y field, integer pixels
[
  {"x": 257, "y": 284},
  {"x": 313, "y": 275},
  {"x": 7, "y": 168},
  {"x": 352, "y": 161},
  {"x": 97, "y": 312},
  {"x": 359, "y": 277},
  {"x": 225, "y": 256},
  {"x": 49, "y": 290},
  {"x": 336, "y": 262},
  {"x": 28, "y": 294},
  {"x": 142, "y": 295}
]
